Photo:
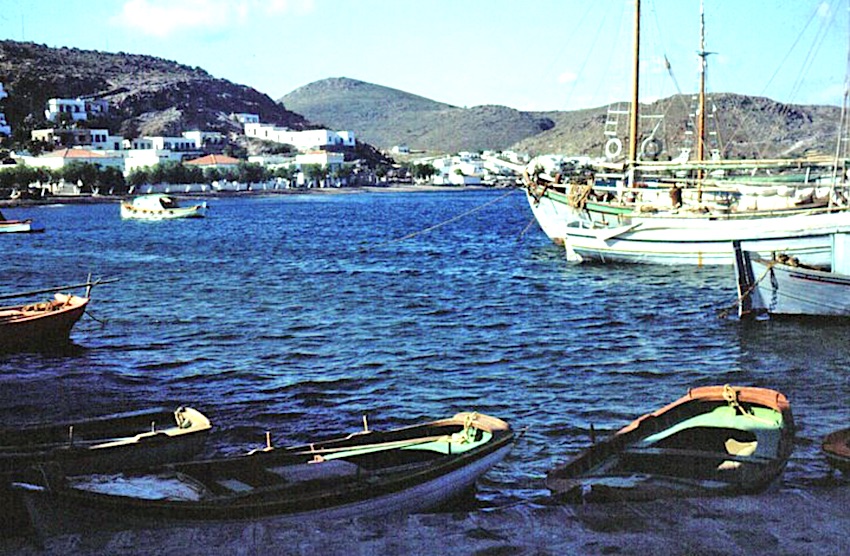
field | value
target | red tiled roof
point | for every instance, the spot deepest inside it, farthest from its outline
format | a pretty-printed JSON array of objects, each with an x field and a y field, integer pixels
[
  {"x": 214, "y": 160},
  {"x": 75, "y": 153}
]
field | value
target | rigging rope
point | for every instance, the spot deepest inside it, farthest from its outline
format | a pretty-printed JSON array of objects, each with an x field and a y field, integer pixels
[{"x": 443, "y": 223}]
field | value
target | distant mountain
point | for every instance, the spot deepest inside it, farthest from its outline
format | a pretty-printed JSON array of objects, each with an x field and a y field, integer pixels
[
  {"x": 740, "y": 126},
  {"x": 386, "y": 117},
  {"x": 147, "y": 95}
]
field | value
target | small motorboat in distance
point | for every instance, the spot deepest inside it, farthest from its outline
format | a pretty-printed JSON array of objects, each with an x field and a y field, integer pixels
[
  {"x": 17, "y": 226},
  {"x": 104, "y": 444},
  {"x": 836, "y": 448},
  {"x": 45, "y": 325},
  {"x": 716, "y": 440},
  {"x": 364, "y": 474},
  {"x": 160, "y": 207}
]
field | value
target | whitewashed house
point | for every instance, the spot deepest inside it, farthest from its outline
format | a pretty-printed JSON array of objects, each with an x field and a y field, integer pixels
[
  {"x": 462, "y": 169},
  {"x": 99, "y": 139},
  {"x": 303, "y": 141},
  {"x": 78, "y": 108}
]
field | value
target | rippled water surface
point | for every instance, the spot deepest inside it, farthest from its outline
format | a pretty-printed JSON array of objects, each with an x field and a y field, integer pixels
[{"x": 299, "y": 314}]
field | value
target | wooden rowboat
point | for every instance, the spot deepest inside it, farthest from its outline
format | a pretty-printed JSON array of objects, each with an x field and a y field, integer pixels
[
  {"x": 716, "y": 440},
  {"x": 45, "y": 325},
  {"x": 365, "y": 474},
  {"x": 98, "y": 445},
  {"x": 836, "y": 447}
]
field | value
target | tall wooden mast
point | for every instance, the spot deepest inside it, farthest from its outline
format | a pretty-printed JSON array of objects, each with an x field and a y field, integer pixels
[
  {"x": 633, "y": 114},
  {"x": 701, "y": 115}
]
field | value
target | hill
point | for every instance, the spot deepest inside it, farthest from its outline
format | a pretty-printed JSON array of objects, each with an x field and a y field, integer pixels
[
  {"x": 740, "y": 126},
  {"x": 386, "y": 117},
  {"x": 147, "y": 95}
]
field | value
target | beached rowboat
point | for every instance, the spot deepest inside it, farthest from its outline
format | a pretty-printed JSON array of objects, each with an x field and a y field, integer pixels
[
  {"x": 98, "y": 445},
  {"x": 364, "y": 474},
  {"x": 716, "y": 440}
]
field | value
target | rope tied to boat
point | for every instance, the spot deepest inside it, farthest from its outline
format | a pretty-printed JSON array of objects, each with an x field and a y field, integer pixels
[
  {"x": 467, "y": 435},
  {"x": 723, "y": 313},
  {"x": 731, "y": 397},
  {"x": 443, "y": 223}
]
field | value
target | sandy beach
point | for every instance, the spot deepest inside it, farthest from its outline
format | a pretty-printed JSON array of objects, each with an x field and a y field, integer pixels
[{"x": 815, "y": 521}]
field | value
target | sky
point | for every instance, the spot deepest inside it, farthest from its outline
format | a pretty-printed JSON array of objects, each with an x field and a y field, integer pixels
[{"x": 525, "y": 54}]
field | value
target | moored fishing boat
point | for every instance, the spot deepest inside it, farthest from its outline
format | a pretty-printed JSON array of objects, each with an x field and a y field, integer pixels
[
  {"x": 17, "y": 226},
  {"x": 781, "y": 285},
  {"x": 97, "y": 445},
  {"x": 836, "y": 448},
  {"x": 160, "y": 207},
  {"x": 365, "y": 474},
  {"x": 716, "y": 440},
  {"x": 44, "y": 325},
  {"x": 641, "y": 211}
]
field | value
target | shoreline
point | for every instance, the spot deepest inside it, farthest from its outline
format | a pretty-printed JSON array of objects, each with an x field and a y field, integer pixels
[
  {"x": 777, "y": 521},
  {"x": 101, "y": 199}
]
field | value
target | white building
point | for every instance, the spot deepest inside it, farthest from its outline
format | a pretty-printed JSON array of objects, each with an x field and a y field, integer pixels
[
  {"x": 59, "y": 158},
  {"x": 204, "y": 139},
  {"x": 99, "y": 139},
  {"x": 78, "y": 108},
  {"x": 302, "y": 140},
  {"x": 245, "y": 118},
  {"x": 462, "y": 169},
  {"x": 179, "y": 144}
]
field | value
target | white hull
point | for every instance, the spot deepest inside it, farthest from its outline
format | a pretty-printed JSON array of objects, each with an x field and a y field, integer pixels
[
  {"x": 54, "y": 516},
  {"x": 128, "y": 212},
  {"x": 16, "y": 226},
  {"x": 767, "y": 287},
  {"x": 686, "y": 240}
]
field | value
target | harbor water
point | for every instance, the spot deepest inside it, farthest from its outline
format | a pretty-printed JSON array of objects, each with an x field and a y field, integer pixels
[{"x": 300, "y": 314}]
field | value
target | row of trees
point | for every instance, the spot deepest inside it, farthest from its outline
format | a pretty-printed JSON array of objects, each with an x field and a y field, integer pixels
[{"x": 93, "y": 176}]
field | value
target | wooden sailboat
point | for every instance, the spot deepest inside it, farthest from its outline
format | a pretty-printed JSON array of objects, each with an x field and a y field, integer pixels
[{"x": 643, "y": 217}]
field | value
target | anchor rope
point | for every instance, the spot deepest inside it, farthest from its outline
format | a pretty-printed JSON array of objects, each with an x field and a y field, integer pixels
[
  {"x": 443, "y": 223},
  {"x": 724, "y": 312}
]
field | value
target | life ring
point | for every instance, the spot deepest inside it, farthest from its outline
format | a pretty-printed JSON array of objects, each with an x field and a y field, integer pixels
[
  {"x": 651, "y": 147},
  {"x": 613, "y": 147}
]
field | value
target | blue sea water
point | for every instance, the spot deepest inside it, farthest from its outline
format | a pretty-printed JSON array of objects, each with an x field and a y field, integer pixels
[{"x": 299, "y": 314}]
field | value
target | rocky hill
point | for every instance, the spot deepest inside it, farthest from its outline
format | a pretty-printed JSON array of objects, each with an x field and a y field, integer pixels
[
  {"x": 386, "y": 117},
  {"x": 740, "y": 126},
  {"x": 147, "y": 95}
]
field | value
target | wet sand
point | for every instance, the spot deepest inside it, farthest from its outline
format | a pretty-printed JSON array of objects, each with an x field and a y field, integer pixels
[{"x": 814, "y": 521}]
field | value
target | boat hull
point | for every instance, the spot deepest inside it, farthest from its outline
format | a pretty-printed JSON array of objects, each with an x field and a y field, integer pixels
[
  {"x": 24, "y": 330},
  {"x": 132, "y": 213},
  {"x": 683, "y": 240},
  {"x": 410, "y": 488},
  {"x": 16, "y": 226},
  {"x": 836, "y": 448},
  {"x": 769, "y": 287},
  {"x": 103, "y": 445},
  {"x": 695, "y": 446}
]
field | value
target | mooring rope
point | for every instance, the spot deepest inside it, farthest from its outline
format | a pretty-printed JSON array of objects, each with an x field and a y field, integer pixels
[
  {"x": 441, "y": 224},
  {"x": 723, "y": 313}
]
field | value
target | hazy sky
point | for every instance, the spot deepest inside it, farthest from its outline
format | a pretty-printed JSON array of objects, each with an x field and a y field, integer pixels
[{"x": 526, "y": 54}]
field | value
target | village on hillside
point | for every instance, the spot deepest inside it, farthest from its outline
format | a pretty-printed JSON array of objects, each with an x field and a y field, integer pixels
[{"x": 72, "y": 159}]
